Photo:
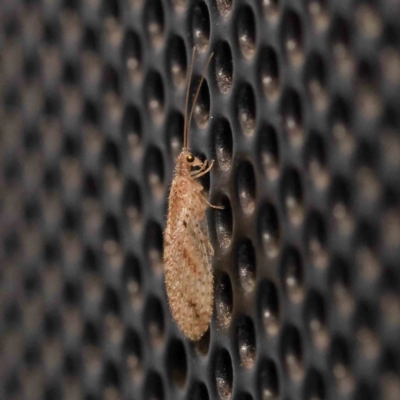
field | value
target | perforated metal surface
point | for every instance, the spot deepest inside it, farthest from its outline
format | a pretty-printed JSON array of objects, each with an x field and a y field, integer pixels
[{"x": 300, "y": 112}]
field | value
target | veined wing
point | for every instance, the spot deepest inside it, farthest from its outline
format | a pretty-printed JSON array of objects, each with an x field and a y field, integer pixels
[{"x": 188, "y": 274}]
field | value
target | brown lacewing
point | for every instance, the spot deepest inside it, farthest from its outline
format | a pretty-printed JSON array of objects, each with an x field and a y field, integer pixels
[{"x": 187, "y": 247}]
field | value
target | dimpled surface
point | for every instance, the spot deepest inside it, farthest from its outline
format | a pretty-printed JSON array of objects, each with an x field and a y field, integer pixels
[{"x": 299, "y": 110}]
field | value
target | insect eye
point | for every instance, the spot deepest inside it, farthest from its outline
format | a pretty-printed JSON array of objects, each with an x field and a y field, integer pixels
[{"x": 190, "y": 158}]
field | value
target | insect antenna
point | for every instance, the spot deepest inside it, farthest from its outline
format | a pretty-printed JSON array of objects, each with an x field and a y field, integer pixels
[
  {"x": 185, "y": 129},
  {"x": 203, "y": 74}
]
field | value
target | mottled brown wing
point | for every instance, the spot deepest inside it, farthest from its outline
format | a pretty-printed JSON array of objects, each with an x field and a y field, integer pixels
[{"x": 188, "y": 273}]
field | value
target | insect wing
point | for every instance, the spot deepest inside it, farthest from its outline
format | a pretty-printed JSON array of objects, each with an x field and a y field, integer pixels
[{"x": 188, "y": 273}]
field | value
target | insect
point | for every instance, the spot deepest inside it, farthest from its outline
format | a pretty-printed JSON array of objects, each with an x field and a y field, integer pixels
[{"x": 187, "y": 247}]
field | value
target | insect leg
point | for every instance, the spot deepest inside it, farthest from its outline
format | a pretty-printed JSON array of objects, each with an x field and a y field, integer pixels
[
  {"x": 217, "y": 207},
  {"x": 198, "y": 174},
  {"x": 202, "y": 168}
]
